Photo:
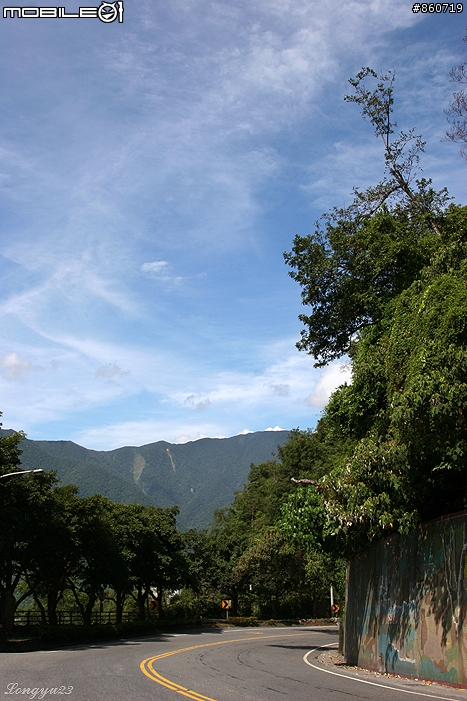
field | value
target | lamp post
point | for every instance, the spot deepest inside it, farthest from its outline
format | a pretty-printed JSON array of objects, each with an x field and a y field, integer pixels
[{"x": 22, "y": 472}]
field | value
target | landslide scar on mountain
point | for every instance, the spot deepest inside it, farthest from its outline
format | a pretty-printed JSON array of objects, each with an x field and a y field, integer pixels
[
  {"x": 171, "y": 459},
  {"x": 139, "y": 463}
]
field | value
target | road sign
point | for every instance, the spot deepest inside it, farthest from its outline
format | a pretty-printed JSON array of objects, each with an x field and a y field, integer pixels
[
  {"x": 226, "y": 604},
  {"x": 335, "y": 608}
]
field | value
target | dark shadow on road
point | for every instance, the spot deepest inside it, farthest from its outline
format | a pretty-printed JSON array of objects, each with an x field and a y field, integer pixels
[{"x": 162, "y": 637}]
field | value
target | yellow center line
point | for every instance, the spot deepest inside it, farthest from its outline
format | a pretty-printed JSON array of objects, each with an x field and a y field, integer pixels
[{"x": 147, "y": 665}]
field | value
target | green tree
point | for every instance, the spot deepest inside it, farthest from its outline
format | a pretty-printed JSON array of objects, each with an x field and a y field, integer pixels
[
  {"x": 364, "y": 255},
  {"x": 204, "y": 568},
  {"x": 24, "y": 503},
  {"x": 248, "y": 533},
  {"x": 99, "y": 560},
  {"x": 403, "y": 414},
  {"x": 385, "y": 281},
  {"x": 152, "y": 548},
  {"x": 56, "y": 556},
  {"x": 401, "y": 153},
  {"x": 271, "y": 569},
  {"x": 352, "y": 269},
  {"x": 418, "y": 434},
  {"x": 229, "y": 535}
]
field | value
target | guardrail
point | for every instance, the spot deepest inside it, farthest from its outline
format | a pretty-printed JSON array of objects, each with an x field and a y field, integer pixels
[{"x": 30, "y": 618}]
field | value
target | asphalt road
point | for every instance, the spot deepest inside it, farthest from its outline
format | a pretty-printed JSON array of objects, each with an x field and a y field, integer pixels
[{"x": 250, "y": 664}]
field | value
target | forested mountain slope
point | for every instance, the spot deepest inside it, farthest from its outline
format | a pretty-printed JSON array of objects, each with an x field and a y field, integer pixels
[{"x": 199, "y": 476}]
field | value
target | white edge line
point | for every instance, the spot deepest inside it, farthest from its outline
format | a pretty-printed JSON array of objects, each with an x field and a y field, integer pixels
[{"x": 366, "y": 681}]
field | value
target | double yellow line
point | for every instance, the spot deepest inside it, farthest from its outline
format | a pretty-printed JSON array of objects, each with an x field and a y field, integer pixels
[{"x": 147, "y": 665}]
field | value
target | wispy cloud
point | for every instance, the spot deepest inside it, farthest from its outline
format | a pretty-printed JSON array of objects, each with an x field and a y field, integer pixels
[
  {"x": 280, "y": 390},
  {"x": 160, "y": 271},
  {"x": 150, "y": 179},
  {"x": 111, "y": 372},
  {"x": 157, "y": 267}
]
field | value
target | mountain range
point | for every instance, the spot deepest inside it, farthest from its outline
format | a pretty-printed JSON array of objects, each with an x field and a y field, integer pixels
[{"x": 198, "y": 477}]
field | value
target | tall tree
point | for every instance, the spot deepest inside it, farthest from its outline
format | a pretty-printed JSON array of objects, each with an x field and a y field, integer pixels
[
  {"x": 152, "y": 548},
  {"x": 386, "y": 283},
  {"x": 99, "y": 559},
  {"x": 24, "y": 503},
  {"x": 403, "y": 414},
  {"x": 366, "y": 254},
  {"x": 56, "y": 557},
  {"x": 259, "y": 565},
  {"x": 270, "y": 569}
]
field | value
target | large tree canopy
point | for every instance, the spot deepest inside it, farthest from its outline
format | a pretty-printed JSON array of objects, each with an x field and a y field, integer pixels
[
  {"x": 403, "y": 416},
  {"x": 386, "y": 282},
  {"x": 363, "y": 255},
  {"x": 349, "y": 270}
]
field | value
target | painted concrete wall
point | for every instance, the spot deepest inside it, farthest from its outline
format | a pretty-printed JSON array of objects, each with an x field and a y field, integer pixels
[{"x": 406, "y": 604}]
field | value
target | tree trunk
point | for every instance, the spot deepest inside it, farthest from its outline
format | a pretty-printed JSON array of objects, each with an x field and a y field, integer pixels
[
  {"x": 92, "y": 598},
  {"x": 119, "y": 602},
  {"x": 3, "y": 639},
  {"x": 52, "y": 602},
  {"x": 141, "y": 600},
  {"x": 78, "y": 602},
  {"x": 7, "y": 598},
  {"x": 7, "y": 613}
]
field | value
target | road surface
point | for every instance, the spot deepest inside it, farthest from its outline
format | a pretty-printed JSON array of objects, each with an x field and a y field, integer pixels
[{"x": 239, "y": 664}]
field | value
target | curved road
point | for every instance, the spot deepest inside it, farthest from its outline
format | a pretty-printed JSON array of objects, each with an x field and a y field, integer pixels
[{"x": 249, "y": 664}]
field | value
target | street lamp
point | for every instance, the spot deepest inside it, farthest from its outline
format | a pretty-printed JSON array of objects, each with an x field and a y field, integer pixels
[{"x": 22, "y": 472}]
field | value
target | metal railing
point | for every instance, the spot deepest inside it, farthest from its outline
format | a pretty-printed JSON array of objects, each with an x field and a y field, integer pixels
[{"x": 30, "y": 618}]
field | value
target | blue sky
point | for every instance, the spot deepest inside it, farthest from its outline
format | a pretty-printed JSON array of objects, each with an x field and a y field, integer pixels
[{"x": 152, "y": 172}]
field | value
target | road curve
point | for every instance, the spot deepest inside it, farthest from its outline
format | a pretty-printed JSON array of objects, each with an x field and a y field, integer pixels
[{"x": 249, "y": 664}]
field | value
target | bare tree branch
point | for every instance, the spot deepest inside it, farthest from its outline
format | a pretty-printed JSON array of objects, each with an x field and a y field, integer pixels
[{"x": 457, "y": 112}]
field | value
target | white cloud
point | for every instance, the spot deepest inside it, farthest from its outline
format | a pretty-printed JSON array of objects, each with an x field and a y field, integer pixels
[
  {"x": 276, "y": 428},
  {"x": 280, "y": 384},
  {"x": 14, "y": 366},
  {"x": 331, "y": 378}
]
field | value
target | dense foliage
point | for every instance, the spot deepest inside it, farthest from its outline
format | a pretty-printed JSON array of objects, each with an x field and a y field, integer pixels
[
  {"x": 386, "y": 282},
  {"x": 261, "y": 569}
]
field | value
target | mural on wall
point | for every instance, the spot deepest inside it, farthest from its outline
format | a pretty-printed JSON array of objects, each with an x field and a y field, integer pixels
[{"x": 406, "y": 603}]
